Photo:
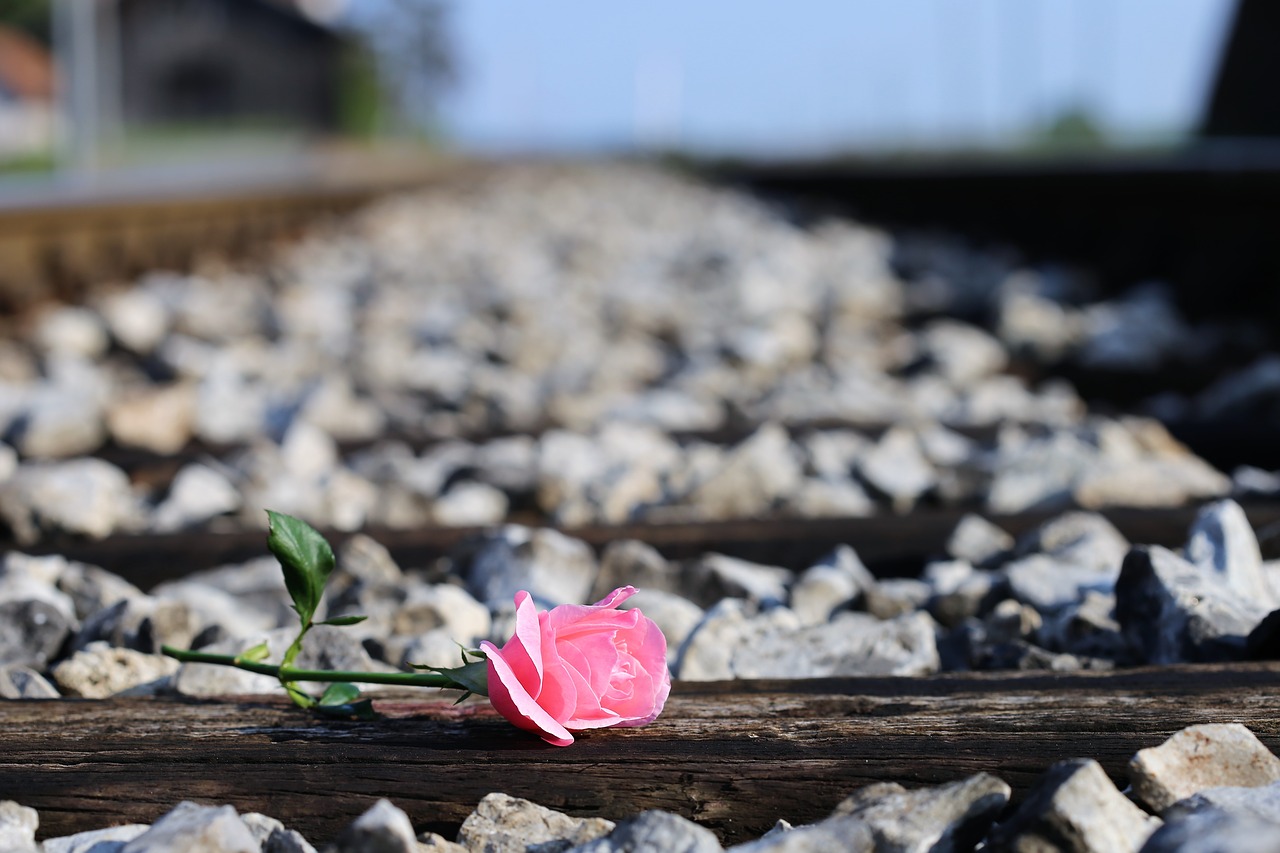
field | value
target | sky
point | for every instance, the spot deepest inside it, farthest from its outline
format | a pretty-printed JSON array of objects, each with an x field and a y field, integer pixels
[{"x": 814, "y": 76}]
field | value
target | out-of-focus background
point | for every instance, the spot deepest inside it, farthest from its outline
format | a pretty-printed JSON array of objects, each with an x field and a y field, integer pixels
[{"x": 94, "y": 84}]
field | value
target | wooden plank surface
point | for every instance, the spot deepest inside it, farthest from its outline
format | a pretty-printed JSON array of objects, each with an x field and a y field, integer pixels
[{"x": 732, "y": 756}]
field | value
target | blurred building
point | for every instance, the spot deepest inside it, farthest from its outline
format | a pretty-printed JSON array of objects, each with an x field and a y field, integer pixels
[
  {"x": 145, "y": 65},
  {"x": 195, "y": 61},
  {"x": 26, "y": 95}
]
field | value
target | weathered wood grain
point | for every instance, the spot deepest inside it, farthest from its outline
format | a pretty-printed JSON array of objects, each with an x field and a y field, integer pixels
[{"x": 732, "y": 756}]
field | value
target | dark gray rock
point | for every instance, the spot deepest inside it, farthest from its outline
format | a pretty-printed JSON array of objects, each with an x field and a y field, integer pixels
[
  {"x": 31, "y": 632},
  {"x": 1171, "y": 610},
  {"x": 1089, "y": 628},
  {"x": 1074, "y": 807},
  {"x": 382, "y": 829},
  {"x": 22, "y": 682},
  {"x": 554, "y": 568},
  {"x": 654, "y": 832},
  {"x": 947, "y": 817},
  {"x": 629, "y": 561},
  {"x": 1200, "y": 757},
  {"x": 846, "y": 834},
  {"x": 715, "y": 577},
  {"x": 92, "y": 588}
]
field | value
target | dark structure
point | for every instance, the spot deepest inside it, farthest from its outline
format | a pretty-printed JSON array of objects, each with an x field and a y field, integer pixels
[
  {"x": 251, "y": 61},
  {"x": 1244, "y": 101}
]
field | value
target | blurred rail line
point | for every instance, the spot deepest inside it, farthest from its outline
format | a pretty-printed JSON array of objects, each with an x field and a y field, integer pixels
[{"x": 61, "y": 239}]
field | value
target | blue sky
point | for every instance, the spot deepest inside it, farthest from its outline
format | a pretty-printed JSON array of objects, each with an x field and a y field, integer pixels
[{"x": 804, "y": 76}]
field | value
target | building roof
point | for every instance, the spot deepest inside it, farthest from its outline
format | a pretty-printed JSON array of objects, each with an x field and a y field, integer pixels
[{"x": 26, "y": 68}]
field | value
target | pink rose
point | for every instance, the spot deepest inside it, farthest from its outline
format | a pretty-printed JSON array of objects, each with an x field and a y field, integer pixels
[{"x": 578, "y": 667}]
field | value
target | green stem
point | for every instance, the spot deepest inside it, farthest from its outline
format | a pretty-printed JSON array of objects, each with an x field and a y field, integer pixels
[{"x": 288, "y": 673}]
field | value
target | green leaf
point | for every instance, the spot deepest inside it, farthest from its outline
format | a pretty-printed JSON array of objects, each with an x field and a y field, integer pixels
[
  {"x": 340, "y": 693},
  {"x": 255, "y": 654},
  {"x": 306, "y": 558},
  {"x": 362, "y": 710},
  {"x": 344, "y": 620},
  {"x": 472, "y": 677}
]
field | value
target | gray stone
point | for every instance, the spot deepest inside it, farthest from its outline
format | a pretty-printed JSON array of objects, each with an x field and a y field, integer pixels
[
  {"x": 382, "y": 829},
  {"x": 509, "y": 463},
  {"x": 1214, "y": 831},
  {"x": 198, "y": 493},
  {"x": 22, "y": 682},
  {"x": 18, "y": 825},
  {"x": 958, "y": 590},
  {"x": 505, "y": 824},
  {"x": 98, "y": 671},
  {"x": 1262, "y": 802},
  {"x": 1038, "y": 474},
  {"x": 947, "y": 817},
  {"x": 1075, "y": 807},
  {"x": 446, "y": 606},
  {"x": 430, "y": 842},
  {"x": 1223, "y": 542},
  {"x": 897, "y": 468},
  {"x": 634, "y": 563},
  {"x": 1048, "y": 583},
  {"x": 141, "y": 623},
  {"x": 707, "y": 653},
  {"x": 1082, "y": 538},
  {"x": 977, "y": 540},
  {"x": 716, "y": 576},
  {"x": 837, "y": 579},
  {"x": 847, "y": 834},
  {"x": 27, "y": 578},
  {"x": 160, "y": 419},
  {"x": 137, "y": 318},
  {"x": 209, "y": 829},
  {"x": 470, "y": 505},
  {"x": 108, "y": 840},
  {"x": 892, "y": 597},
  {"x": 92, "y": 588},
  {"x": 960, "y": 352},
  {"x": 1213, "y": 755},
  {"x": 849, "y": 644},
  {"x": 755, "y": 475},
  {"x": 59, "y": 423},
  {"x": 87, "y": 497},
  {"x": 833, "y": 454},
  {"x": 71, "y": 330},
  {"x": 363, "y": 559},
  {"x": 286, "y": 841},
  {"x": 31, "y": 632},
  {"x": 554, "y": 568},
  {"x": 817, "y": 497},
  {"x": 1172, "y": 611},
  {"x": 1150, "y": 483},
  {"x": 654, "y": 832},
  {"x": 1087, "y": 627}
]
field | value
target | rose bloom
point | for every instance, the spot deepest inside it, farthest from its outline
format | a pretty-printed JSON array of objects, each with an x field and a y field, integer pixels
[{"x": 579, "y": 667}]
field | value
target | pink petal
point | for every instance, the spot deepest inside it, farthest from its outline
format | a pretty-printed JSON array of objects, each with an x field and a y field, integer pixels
[{"x": 514, "y": 703}]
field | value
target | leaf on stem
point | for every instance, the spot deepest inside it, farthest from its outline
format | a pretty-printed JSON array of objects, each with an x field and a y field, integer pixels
[
  {"x": 339, "y": 621},
  {"x": 340, "y": 693},
  {"x": 256, "y": 654},
  {"x": 306, "y": 558}
]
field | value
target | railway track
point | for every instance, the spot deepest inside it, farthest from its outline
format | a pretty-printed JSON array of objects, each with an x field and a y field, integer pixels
[
  {"x": 62, "y": 238},
  {"x": 723, "y": 752}
]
